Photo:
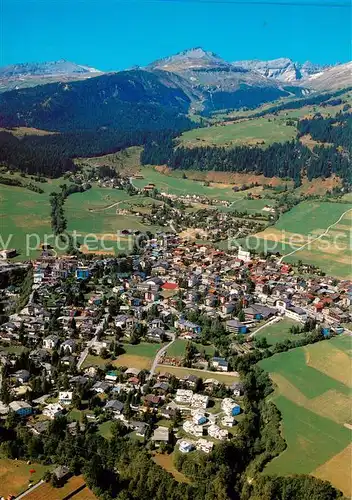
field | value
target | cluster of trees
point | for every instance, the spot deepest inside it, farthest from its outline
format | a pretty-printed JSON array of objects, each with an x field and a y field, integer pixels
[
  {"x": 25, "y": 155},
  {"x": 26, "y": 289},
  {"x": 51, "y": 155},
  {"x": 8, "y": 181},
  {"x": 337, "y": 130},
  {"x": 290, "y": 159},
  {"x": 246, "y": 95},
  {"x": 57, "y": 200}
]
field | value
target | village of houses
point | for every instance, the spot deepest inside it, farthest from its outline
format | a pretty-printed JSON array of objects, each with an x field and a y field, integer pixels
[{"x": 46, "y": 347}]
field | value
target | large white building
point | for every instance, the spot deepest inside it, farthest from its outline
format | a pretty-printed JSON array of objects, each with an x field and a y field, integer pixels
[
  {"x": 244, "y": 255},
  {"x": 199, "y": 401},
  {"x": 53, "y": 410},
  {"x": 191, "y": 428},
  {"x": 217, "y": 433},
  {"x": 204, "y": 445},
  {"x": 184, "y": 396}
]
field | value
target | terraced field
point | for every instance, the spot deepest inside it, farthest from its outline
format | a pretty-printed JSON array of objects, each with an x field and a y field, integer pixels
[{"x": 313, "y": 393}]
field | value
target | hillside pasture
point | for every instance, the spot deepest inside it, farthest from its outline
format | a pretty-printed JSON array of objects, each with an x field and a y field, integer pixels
[
  {"x": 302, "y": 231},
  {"x": 23, "y": 213},
  {"x": 313, "y": 394},
  {"x": 96, "y": 212},
  {"x": 253, "y": 132},
  {"x": 125, "y": 162}
]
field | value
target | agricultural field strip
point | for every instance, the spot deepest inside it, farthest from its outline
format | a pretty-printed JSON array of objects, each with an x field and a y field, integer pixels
[
  {"x": 318, "y": 237},
  {"x": 313, "y": 419}
]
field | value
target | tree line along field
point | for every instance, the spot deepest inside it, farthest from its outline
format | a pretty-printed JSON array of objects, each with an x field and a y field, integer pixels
[
  {"x": 255, "y": 131},
  {"x": 313, "y": 393},
  {"x": 301, "y": 226}
]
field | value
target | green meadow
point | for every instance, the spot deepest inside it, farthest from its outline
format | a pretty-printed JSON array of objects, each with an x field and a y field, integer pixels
[
  {"x": 175, "y": 184},
  {"x": 278, "y": 332},
  {"x": 24, "y": 214},
  {"x": 256, "y": 131},
  {"x": 301, "y": 226},
  {"x": 313, "y": 393}
]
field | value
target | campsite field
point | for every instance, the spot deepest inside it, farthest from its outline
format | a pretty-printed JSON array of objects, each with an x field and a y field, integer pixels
[
  {"x": 15, "y": 476},
  {"x": 256, "y": 131},
  {"x": 298, "y": 229},
  {"x": 175, "y": 184},
  {"x": 313, "y": 394}
]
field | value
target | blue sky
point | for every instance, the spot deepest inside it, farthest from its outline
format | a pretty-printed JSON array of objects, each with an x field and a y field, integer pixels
[{"x": 117, "y": 34}]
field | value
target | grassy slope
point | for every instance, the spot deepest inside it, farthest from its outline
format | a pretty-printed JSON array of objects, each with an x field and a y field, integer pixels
[
  {"x": 253, "y": 131},
  {"x": 308, "y": 401},
  {"x": 311, "y": 219},
  {"x": 23, "y": 212},
  {"x": 126, "y": 161}
]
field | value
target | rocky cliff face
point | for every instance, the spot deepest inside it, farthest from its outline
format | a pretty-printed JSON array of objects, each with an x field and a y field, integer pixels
[{"x": 282, "y": 69}]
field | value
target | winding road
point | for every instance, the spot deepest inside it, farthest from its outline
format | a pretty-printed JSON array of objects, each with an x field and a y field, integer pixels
[
  {"x": 84, "y": 353},
  {"x": 94, "y": 210},
  {"x": 159, "y": 354},
  {"x": 317, "y": 238}
]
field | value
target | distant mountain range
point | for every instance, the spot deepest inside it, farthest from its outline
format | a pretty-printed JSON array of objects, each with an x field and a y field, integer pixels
[
  {"x": 194, "y": 64},
  {"x": 24, "y": 75},
  {"x": 192, "y": 81}
]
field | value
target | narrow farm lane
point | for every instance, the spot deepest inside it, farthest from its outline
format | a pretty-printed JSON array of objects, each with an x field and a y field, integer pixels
[
  {"x": 317, "y": 238},
  {"x": 159, "y": 354}
]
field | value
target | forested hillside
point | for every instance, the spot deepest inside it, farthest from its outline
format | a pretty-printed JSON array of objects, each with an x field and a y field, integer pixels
[
  {"x": 51, "y": 155},
  {"x": 290, "y": 159},
  {"x": 130, "y": 100},
  {"x": 335, "y": 131}
]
